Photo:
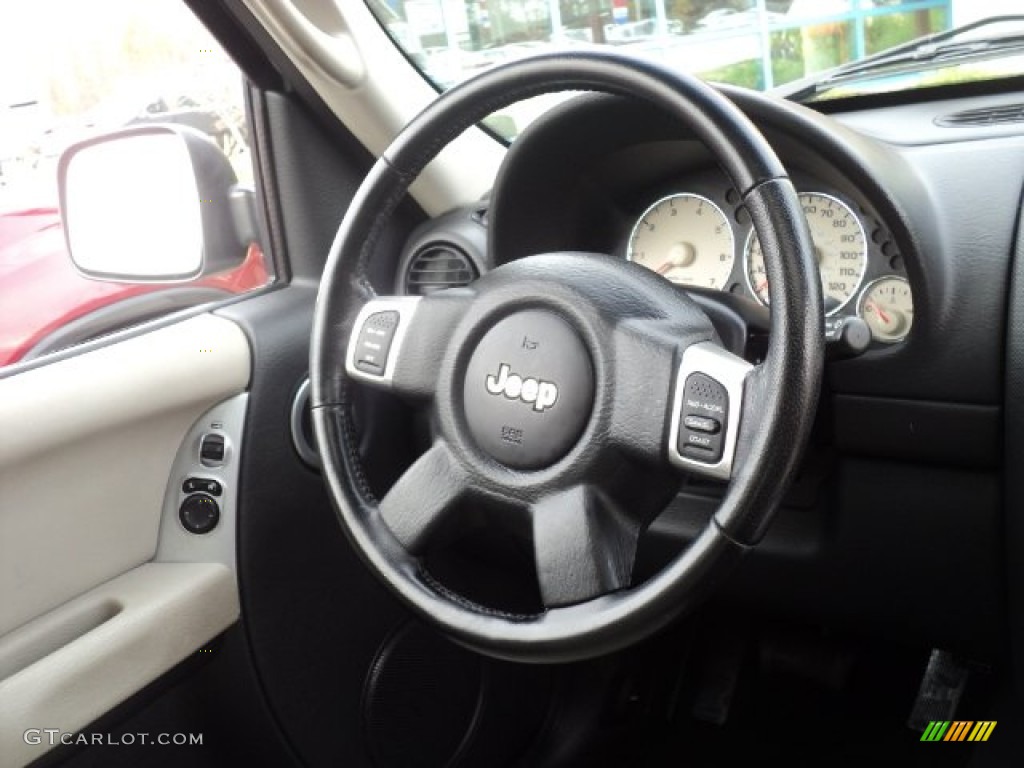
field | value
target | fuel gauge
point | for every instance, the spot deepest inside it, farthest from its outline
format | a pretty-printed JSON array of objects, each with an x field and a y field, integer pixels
[{"x": 888, "y": 308}]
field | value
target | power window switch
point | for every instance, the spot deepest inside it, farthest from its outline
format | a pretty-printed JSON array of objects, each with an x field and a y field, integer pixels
[{"x": 212, "y": 450}]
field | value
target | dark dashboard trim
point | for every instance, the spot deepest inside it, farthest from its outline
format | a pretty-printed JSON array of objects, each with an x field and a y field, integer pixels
[
  {"x": 954, "y": 434},
  {"x": 1013, "y": 446}
]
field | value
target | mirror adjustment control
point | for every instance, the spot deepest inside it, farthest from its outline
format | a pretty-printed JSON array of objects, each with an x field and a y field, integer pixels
[
  {"x": 704, "y": 419},
  {"x": 199, "y": 513},
  {"x": 202, "y": 485},
  {"x": 374, "y": 342}
]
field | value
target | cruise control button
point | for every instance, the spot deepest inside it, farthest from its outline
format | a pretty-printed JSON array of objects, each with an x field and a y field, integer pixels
[
  {"x": 701, "y": 447},
  {"x": 704, "y": 419},
  {"x": 374, "y": 342},
  {"x": 701, "y": 424}
]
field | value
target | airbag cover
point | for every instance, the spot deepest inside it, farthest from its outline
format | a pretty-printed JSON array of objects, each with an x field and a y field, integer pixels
[{"x": 529, "y": 390}]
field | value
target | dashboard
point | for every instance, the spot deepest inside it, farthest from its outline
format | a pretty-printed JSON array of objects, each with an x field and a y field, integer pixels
[
  {"x": 927, "y": 224},
  {"x": 643, "y": 192},
  {"x": 930, "y": 232},
  {"x": 915, "y": 229}
]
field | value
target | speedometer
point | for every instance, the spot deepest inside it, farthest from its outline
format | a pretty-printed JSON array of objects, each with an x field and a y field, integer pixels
[
  {"x": 687, "y": 239},
  {"x": 840, "y": 248}
]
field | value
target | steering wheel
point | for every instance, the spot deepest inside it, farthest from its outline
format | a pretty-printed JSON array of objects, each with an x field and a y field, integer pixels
[{"x": 567, "y": 391}]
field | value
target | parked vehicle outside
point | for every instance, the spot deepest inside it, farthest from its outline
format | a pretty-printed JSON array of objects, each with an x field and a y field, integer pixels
[
  {"x": 43, "y": 291},
  {"x": 149, "y": 66}
]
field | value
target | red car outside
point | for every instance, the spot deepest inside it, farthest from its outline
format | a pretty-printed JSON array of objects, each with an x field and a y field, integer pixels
[{"x": 42, "y": 291}]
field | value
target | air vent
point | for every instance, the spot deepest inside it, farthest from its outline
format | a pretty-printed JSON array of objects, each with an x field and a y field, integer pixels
[
  {"x": 1011, "y": 113},
  {"x": 438, "y": 266}
]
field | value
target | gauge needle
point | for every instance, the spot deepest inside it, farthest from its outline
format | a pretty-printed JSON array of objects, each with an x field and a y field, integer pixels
[
  {"x": 761, "y": 286},
  {"x": 680, "y": 255},
  {"x": 880, "y": 311}
]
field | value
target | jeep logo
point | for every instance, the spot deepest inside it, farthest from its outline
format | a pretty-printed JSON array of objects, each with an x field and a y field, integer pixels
[{"x": 542, "y": 394}]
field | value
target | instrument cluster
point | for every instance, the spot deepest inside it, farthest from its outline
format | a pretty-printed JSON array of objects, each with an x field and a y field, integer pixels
[{"x": 703, "y": 237}]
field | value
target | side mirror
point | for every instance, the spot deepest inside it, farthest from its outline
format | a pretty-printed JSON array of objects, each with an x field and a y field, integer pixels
[{"x": 150, "y": 204}]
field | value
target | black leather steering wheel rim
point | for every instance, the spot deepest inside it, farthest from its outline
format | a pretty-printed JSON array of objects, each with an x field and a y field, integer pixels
[{"x": 778, "y": 402}]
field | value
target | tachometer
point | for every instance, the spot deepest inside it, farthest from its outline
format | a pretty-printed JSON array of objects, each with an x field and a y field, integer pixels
[
  {"x": 686, "y": 238},
  {"x": 840, "y": 248},
  {"x": 888, "y": 308}
]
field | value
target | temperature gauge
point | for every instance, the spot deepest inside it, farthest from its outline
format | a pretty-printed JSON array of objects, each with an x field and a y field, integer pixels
[{"x": 888, "y": 308}]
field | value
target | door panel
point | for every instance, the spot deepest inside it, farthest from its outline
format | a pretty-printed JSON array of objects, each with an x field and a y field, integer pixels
[
  {"x": 106, "y": 645},
  {"x": 87, "y": 448}
]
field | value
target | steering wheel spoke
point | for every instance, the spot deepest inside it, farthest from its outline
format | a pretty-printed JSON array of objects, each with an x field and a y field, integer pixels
[
  {"x": 420, "y": 498},
  {"x": 700, "y": 392},
  {"x": 645, "y": 354},
  {"x": 397, "y": 341},
  {"x": 584, "y": 546}
]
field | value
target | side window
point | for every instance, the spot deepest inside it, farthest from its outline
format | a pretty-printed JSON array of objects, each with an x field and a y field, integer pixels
[{"x": 74, "y": 70}]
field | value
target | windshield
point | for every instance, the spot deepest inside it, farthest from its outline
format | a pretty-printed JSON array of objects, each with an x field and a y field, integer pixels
[{"x": 760, "y": 44}]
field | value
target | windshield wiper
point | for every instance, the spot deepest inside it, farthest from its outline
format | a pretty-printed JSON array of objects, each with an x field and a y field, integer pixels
[{"x": 921, "y": 54}]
